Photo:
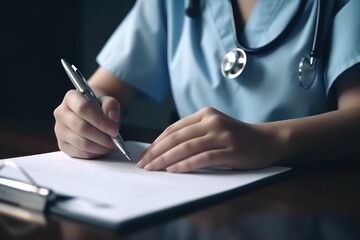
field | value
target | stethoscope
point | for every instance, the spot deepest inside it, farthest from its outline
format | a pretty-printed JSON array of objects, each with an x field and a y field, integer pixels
[{"x": 235, "y": 60}]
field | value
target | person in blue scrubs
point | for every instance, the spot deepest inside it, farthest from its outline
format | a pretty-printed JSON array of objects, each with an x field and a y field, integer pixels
[{"x": 261, "y": 118}]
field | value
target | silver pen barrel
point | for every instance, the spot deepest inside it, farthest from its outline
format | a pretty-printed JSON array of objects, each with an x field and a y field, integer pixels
[{"x": 119, "y": 142}]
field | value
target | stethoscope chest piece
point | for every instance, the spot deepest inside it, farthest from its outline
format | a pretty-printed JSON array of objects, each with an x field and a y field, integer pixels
[
  {"x": 233, "y": 63},
  {"x": 307, "y": 72}
]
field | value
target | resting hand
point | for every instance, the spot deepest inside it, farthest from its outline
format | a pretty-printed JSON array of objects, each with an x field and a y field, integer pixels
[
  {"x": 81, "y": 130},
  {"x": 210, "y": 138}
]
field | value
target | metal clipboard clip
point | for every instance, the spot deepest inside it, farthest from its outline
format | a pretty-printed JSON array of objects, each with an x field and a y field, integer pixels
[{"x": 26, "y": 195}]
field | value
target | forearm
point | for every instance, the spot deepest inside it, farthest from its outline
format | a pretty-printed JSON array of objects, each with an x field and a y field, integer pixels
[
  {"x": 329, "y": 136},
  {"x": 105, "y": 84}
]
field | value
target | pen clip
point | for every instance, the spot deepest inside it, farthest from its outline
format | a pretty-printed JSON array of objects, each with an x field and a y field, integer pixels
[
  {"x": 77, "y": 71},
  {"x": 88, "y": 92},
  {"x": 79, "y": 81}
]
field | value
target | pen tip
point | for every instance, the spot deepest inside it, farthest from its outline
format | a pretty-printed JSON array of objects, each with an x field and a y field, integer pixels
[{"x": 128, "y": 157}]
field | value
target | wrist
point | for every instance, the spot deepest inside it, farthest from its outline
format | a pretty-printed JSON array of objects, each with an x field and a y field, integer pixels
[{"x": 279, "y": 141}]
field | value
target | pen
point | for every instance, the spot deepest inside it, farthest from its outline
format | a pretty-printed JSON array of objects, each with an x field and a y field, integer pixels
[{"x": 82, "y": 86}]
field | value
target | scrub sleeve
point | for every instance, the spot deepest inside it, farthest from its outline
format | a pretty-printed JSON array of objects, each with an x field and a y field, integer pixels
[
  {"x": 345, "y": 42},
  {"x": 141, "y": 52}
]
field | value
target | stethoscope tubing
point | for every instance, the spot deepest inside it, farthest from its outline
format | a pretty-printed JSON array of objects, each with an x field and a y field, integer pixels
[{"x": 235, "y": 16}]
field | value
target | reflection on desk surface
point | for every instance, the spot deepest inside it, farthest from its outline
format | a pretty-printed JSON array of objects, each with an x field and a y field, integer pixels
[
  {"x": 253, "y": 226},
  {"x": 238, "y": 218}
]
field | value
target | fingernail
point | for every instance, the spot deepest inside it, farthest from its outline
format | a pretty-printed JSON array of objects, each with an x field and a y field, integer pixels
[
  {"x": 140, "y": 163},
  {"x": 112, "y": 132},
  {"x": 171, "y": 169},
  {"x": 113, "y": 115},
  {"x": 149, "y": 167}
]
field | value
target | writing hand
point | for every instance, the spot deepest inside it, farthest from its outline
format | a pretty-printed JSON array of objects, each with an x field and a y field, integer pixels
[{"x": 80, "y": 130}]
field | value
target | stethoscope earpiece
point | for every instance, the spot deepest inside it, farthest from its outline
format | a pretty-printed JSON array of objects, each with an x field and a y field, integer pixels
[{"x": 233, "y": 63}]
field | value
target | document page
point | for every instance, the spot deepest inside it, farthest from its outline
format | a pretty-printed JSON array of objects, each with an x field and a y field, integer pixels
[{"x": 111, "y": 189}]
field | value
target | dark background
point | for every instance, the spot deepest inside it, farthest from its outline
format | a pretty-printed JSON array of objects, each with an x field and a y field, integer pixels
[{"x": 35, "y": 35}]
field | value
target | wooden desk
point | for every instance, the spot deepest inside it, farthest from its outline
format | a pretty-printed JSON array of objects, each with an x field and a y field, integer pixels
[{"x": 315, "y": 202}]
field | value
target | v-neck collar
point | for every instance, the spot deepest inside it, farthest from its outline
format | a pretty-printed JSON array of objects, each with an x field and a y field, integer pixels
[
  {"x": 267, "y": 20},
  {"x": 259, "y": 21}
]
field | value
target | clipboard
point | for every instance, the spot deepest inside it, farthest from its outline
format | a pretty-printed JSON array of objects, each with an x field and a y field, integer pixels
[
  {"x": 111, "y": 192},
  {"x": 27, "y": 195}
]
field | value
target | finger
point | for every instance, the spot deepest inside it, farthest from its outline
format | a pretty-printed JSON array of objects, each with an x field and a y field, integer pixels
[
  {"x": 83, "y": 144},
  {"x": 182, "y": 123},
  {"x": 211, "y": 158},
  {"x": 187, "y": 121},
  {"x": 111, "y": 108},
  {"x": 170, "y": 141},
  {"x": 84, "y": 129},
  {"x": 78, "y": 104},
  {"x": 181, "y": 152}
]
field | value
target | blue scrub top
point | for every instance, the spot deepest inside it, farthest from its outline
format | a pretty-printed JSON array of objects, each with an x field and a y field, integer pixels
[{"x": 157, "y": 48}]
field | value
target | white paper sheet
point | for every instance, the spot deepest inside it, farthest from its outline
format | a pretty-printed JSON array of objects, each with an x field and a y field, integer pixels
[{"x": 111, "y": 190}]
